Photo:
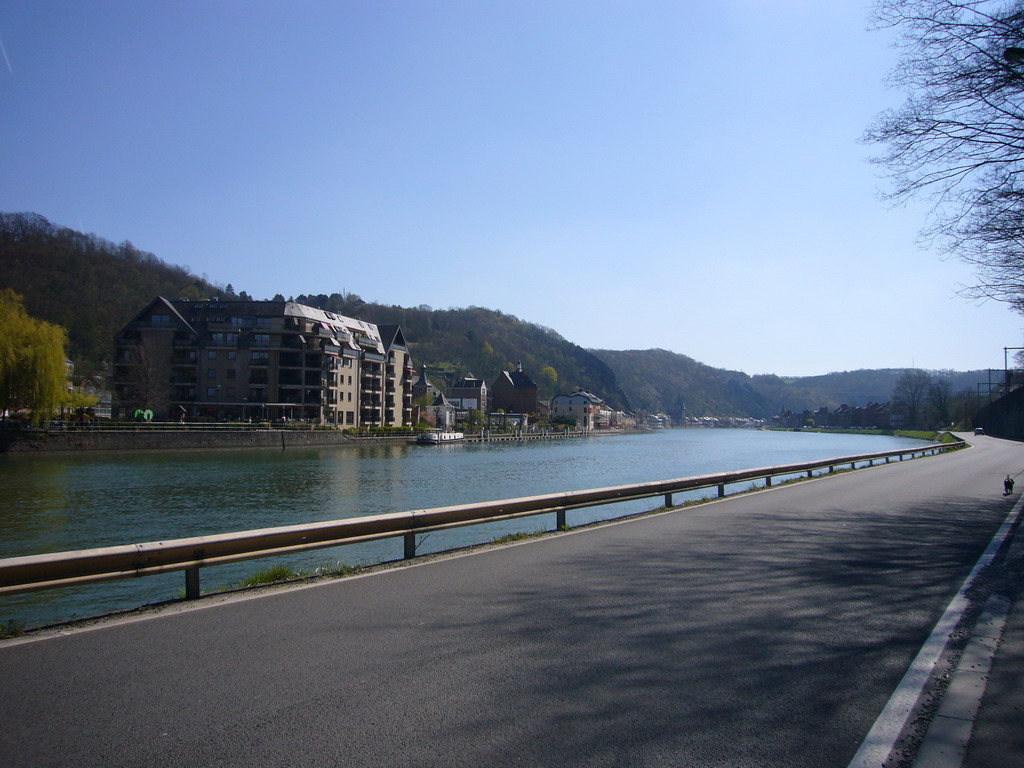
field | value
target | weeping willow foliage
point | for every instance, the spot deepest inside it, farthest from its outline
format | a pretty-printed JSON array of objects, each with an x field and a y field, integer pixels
[{"x": 32, "y": 371}]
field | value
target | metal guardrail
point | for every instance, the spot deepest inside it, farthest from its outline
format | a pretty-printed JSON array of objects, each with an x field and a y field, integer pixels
[{"x": 62, "y": 569}]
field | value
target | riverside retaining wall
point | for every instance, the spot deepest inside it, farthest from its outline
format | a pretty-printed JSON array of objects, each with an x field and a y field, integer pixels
[{"x": 27, "y": 441}]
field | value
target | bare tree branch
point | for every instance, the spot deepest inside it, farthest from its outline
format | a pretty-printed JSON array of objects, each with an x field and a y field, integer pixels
[{"x": 958, "y": 140}]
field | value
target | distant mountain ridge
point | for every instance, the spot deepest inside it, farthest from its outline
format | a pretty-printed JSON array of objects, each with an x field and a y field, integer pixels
[{"x": 92, "y": 287}]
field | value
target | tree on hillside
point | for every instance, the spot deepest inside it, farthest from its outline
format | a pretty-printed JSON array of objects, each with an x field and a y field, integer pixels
[
  {"x": 940, "y": 402},
  {"x": 908, "y": 398},
  {"x": 547, "y": 382},
  {"x": 958, "y": 140},
  {"x": 32, "y": 371}
]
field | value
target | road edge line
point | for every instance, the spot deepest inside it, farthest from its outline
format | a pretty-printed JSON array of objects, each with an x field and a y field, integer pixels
[{"x": 880, "y": 741}]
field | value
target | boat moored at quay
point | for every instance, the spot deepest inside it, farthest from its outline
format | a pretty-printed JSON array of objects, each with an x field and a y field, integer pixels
[{"x": 439, "y": 437}]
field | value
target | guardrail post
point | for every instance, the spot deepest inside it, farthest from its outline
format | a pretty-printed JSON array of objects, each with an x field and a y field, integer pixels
[
  {"x": 410, "y": 545},
  {"x": 668, "y": 499},
  {"x": 768, "y": 482},
  {"x": 192, "y": 590},
  {"x": 721, "y": 490},
  {"x": 560, "y": 519}
]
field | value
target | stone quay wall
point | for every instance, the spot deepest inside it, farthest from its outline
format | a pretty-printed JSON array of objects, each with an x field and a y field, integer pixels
[{"x": 31, "y": 441}]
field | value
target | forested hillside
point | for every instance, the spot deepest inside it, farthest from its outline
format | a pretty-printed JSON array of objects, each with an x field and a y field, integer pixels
[
  {"x": 93, "y": 287},
  {"x": 90, "y": 286},
  {"x": 661, "y": 381},
  {"x": 850, "y": 387},
  {"x": 484, "y": 342}
]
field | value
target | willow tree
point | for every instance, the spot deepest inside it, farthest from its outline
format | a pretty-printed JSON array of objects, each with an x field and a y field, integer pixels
[
  {"x": 32, "y": 370},
  {"x": 958, "y": 139}
]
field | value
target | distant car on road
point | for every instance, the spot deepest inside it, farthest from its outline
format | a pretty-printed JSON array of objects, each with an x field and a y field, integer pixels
[{"x": 979, "y": 431}]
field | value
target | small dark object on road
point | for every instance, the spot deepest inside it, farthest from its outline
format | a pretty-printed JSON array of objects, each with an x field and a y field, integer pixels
[{"x": 1007, "y": 486}]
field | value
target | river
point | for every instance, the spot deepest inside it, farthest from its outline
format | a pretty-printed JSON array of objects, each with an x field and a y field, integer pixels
[{"x": 53, "y": 503}]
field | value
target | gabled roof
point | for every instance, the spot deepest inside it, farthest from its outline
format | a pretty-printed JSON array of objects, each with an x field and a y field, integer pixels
[
  {"x": 517, "y": 379},
  {"x": 521, "y": 380},
  {"x": 392, "y": 336},
  {"x": 163, "y": 305},
  {"x": 470, "y": 382},
  {"x": 503, "y": 375},
  {"x": 584, "y": 394}
]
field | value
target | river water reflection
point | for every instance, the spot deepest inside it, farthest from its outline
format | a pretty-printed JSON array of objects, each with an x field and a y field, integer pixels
[{"x": 77, "y": 501}]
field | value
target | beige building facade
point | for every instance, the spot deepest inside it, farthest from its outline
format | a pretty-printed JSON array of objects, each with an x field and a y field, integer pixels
[{"x": 261, "y": 361}]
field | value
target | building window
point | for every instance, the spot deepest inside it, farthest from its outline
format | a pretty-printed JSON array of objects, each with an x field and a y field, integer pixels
[
  {"x": 211, "y": 373},
  {"x": 211, "y": 391},
  {"x": 231, "y": 373},
  {"x": 159, "y": 320},
  {"x": 259, "y": 357},
  {"x": 232, "y": 354},
  {"x": 211, "y": 354}
]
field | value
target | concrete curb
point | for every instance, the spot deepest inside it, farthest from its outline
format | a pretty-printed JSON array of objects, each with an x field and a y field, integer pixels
[
  {"x": 945, "y": 744},
  {"x": 879, "y": 744}
]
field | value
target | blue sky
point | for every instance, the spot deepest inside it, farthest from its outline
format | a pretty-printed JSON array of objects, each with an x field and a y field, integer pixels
[{"x": 632, "y": 174}]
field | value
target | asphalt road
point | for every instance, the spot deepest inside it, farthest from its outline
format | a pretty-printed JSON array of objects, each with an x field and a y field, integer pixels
[{"x": 765, "y": 630}]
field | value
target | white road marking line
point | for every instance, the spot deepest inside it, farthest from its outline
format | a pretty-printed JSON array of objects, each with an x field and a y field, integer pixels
[{"x": 879, "y": 743}]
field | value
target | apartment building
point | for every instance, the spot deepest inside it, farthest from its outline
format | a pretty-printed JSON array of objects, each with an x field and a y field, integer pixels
[
  {"x": 589, "y": 411},
  {"x": 261, "y": 360}
]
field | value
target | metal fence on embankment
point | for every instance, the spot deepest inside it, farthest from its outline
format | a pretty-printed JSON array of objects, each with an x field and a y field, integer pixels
[{"x": 62, "y": 569}]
